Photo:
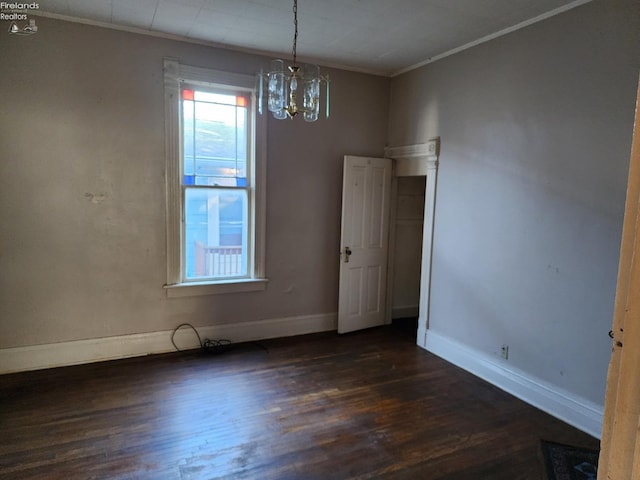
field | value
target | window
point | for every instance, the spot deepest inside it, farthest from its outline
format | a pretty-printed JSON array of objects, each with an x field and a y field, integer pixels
[
  {"x": 215, "y": 182},
  {"x": 215, "y": 187}
]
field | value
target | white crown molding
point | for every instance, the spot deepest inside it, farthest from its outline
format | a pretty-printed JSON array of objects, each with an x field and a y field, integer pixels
[
  {"x": 268, "y": 54},
  {"x": 327, "y": 64},
  {"x": 492, "y": 36}
]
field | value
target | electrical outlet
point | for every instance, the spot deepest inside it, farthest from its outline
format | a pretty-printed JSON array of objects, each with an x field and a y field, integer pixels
[{"x": 504, "y": 351}]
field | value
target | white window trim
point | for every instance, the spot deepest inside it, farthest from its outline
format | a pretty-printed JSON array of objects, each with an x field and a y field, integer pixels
[{"x": 174, "y": 74}]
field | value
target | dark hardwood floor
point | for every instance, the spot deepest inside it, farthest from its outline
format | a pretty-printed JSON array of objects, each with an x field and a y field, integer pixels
[{"x": 364, "y": 405}]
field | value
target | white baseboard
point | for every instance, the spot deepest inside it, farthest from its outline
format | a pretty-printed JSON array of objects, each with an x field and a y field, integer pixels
[
  {"x": 36, "y": 357},
  {"x": 407, "y": 311},
  {"x": 570, "y": 408}
]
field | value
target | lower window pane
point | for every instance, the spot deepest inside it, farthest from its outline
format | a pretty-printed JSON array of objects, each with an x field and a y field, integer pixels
[{"x": 215, "y": 233}]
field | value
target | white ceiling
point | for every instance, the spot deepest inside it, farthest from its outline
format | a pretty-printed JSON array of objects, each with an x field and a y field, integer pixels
[{"x": 377, "y": 36}]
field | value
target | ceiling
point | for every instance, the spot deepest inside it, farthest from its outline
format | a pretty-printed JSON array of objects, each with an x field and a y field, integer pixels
[{"x": 377, "y": 36}]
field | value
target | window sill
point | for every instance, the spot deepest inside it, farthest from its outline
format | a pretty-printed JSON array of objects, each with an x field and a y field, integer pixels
[{"x": 232, "y": 286}]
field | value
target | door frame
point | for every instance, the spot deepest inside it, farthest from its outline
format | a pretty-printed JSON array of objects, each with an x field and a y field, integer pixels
[
  {"x": 620, "y": 444},
  {"x": 415, "y": 160}
]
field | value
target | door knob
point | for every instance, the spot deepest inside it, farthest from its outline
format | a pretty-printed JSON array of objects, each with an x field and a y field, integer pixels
[{"x": 347, "y": 254}]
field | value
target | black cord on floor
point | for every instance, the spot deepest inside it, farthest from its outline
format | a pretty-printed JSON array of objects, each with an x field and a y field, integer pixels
[
  {"x": 216, "y": 346},
  {"x": 208, "y": 346}
]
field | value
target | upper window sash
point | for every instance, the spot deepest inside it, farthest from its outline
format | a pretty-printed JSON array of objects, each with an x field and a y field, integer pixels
[{"x": 239, "y": 161}]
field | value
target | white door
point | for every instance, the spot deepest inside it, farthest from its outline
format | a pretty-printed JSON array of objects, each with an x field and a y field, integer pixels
[{"x": 364, "y": 242}]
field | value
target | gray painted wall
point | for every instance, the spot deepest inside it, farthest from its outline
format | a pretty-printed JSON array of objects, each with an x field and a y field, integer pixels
[
  {"x": 535, "y": 131},
  {"x": 82, "y": 196}
]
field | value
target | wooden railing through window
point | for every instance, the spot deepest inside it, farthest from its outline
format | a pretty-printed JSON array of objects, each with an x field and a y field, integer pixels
[{"x": 217, "y": 261}]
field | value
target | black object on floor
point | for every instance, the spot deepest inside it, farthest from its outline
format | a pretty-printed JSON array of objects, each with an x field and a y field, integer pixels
[{"x": 564, "y": 462}]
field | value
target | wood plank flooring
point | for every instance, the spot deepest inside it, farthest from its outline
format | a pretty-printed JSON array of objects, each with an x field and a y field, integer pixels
[{"x": 364, "y": 405}]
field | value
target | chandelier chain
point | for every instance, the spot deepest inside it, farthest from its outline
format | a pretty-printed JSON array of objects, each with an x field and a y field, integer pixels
[
  {"x": 293, "y": 90},
  {"x": 295, "y": 34}
]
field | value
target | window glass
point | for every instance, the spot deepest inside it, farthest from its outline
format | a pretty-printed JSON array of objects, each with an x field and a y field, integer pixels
[
  {"x": 215, "y": 233},
  {"x": 215, "y": 139},
  {"x": 215, "y": 147}
]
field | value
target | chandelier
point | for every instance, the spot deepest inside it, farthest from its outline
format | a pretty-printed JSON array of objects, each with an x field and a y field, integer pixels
[{"x": 295, "y": 89}]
